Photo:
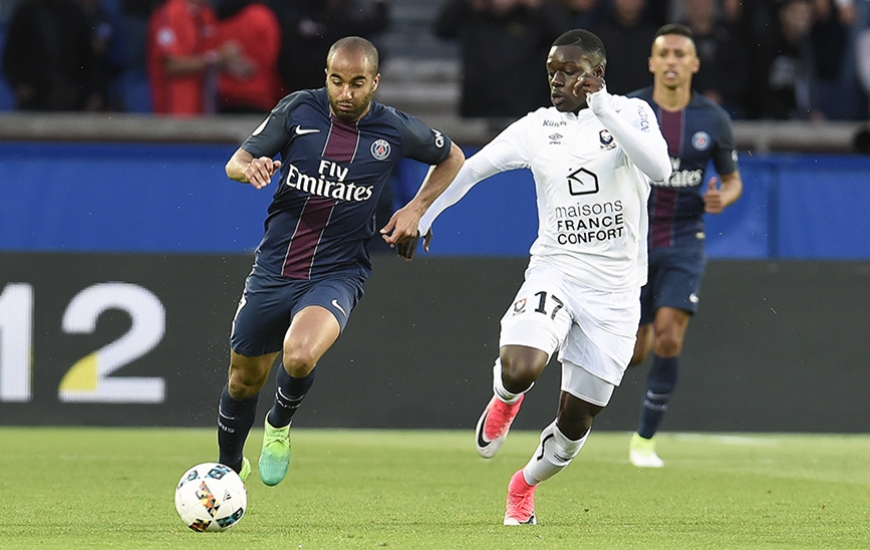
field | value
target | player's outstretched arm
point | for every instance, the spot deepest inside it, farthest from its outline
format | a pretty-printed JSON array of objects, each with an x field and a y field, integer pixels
[
  {"x": 403, "y": 225},
  {"x": 243, "y": 167}
]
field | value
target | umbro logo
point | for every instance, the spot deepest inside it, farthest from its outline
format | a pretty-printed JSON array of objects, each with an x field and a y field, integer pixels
[
  {"x": 555, "y": 139},
  {"x": 300, "y": 131}
]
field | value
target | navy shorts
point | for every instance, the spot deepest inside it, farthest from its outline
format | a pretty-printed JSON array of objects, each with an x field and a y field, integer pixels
[
  {"x": 270, "y": 301},
  {"x": 674, "y": 281}
]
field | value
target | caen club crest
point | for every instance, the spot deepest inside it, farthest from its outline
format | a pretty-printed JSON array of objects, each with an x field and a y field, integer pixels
[{"x": 380, "y": 149}]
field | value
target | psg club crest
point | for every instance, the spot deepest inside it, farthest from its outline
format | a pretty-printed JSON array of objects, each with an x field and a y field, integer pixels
[
  {"x": 606, "y": 139},
  {"x": 380, "y": 149},
  {"x": 701, "y": 141}
]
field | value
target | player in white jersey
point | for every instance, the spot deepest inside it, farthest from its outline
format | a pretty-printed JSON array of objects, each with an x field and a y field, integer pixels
[{"x": 593, "y": 156}]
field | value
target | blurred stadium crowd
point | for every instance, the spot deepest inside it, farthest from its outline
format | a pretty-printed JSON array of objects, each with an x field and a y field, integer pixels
[{"x": 760, "y": 59}]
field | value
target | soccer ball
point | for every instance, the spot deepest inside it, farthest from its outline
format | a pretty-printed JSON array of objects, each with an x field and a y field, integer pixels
[{"x": 211, "y": 497}]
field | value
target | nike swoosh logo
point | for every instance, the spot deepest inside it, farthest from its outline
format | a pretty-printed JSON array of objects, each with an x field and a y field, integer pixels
[
  {"x": 300, "y": 131},
  {"x": 338, "y": 307},
  {"x": 481, "y": 440}
]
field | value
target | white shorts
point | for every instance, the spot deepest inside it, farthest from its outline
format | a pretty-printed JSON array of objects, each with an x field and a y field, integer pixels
[{"x": 593, "y": 330}]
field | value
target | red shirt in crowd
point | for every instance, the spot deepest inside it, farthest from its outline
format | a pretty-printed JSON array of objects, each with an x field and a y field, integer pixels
[
  {"x": 257, "y": 32},
  {"x": 179, "y": 28}
]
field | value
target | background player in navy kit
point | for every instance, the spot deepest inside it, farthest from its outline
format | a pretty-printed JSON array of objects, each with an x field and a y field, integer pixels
[
  {"x": 337, "y": 150},
  {"x": 697, "y": 131}
]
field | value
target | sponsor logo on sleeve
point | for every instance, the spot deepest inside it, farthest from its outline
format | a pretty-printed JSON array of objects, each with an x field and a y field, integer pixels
[{"x": 439, "y": 139}]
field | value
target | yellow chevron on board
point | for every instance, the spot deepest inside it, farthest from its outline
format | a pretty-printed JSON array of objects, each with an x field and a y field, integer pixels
[{"x": 82, "y": 376}]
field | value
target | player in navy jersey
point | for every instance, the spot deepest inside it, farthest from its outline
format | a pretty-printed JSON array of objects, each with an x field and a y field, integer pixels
[
  {"x": 697, "y": 131},
  {"x": 337, "y": 149}
]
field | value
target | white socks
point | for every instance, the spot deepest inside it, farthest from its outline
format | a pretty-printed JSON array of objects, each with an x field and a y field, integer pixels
[{"x": 553, "y": 454}]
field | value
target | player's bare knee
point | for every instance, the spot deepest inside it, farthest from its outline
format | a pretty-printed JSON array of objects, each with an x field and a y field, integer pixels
[
  {"x": 299, "y": 362},
  {"x": 520, "y": 367},
  {"x": 517, "y": 377},
  {"x": 668, "y": 344},
  {"x": 243, "y": 384}
]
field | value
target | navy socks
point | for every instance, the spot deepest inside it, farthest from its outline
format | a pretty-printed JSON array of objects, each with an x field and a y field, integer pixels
[
  {"x": 660, "y": 384},
  {"x": 235, "y": 420},
  {"x": 288, "y": 396}
]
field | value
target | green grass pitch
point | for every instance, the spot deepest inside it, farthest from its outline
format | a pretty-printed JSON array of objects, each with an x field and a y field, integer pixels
[{"x": 75, "y": 488}]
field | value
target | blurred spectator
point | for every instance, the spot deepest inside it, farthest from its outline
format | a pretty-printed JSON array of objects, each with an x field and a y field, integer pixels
[
  {"x": 583, "y": 14},
  {"x": 723, "y": 77},
  {"x": 254, "y": 27},
  {"x": 310, "y": 27},
  {"x": 109, "y": 55},
  {"x": 785, "y": 73},
  {"x": 135, "y": 85},
  {"x": 862, "y": 52},
  {"x": 829, "y": 38},
  {"x": 504, "y": 46},
  {"x": 627, "y": 36},
  {"x": 136, "y": 14},
  {"x": 184, "y": 57},
  {"x": 854, "y": 17},
  {"x": 48, "y": 58}
]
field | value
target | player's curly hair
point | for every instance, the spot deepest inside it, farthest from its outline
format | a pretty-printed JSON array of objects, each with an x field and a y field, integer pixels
[{"x": 585, "y": 39}]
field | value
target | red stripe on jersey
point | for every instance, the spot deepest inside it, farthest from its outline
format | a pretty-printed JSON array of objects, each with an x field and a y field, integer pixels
[
  {"x": 664, "y": 203},
  {"x": 672, "y": 130},
  {"x": 341, "y": 144},
  {"x": 342, "y": 141},
  {"x": 664, "y": 199},
  {"x": 303, "y": 245}
]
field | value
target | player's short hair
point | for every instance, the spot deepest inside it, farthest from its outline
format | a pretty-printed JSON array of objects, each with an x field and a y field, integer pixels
[
  {"x": 675, "y": 28},
  {"x": 585, "y": 39},
  {"x": 355, "y": 44}
]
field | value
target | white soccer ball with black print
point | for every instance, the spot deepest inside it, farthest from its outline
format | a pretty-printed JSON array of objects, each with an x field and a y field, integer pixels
[{"x": 211, "y": 497}]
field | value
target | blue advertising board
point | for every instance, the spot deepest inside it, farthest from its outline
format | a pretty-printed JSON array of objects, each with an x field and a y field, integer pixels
[{"x": 176, "y": 198}]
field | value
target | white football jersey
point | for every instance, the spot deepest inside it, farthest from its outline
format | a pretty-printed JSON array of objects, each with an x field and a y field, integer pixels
[{"x": 591, "y": 197}]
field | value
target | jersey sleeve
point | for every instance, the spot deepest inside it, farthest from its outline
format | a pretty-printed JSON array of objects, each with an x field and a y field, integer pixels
[
  {"x": 270, "y": 137},
  {"x": 420, "y": 142},
  {"x": 636, "y": 130},
  {"x": 725, "y": 155},
  {"x": 508, "y": 151}
]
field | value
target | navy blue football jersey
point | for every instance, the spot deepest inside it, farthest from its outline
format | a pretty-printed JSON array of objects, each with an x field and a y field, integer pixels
[
  {"x": 696, "y": 135},
  {"x": 332, "y": 174}
]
